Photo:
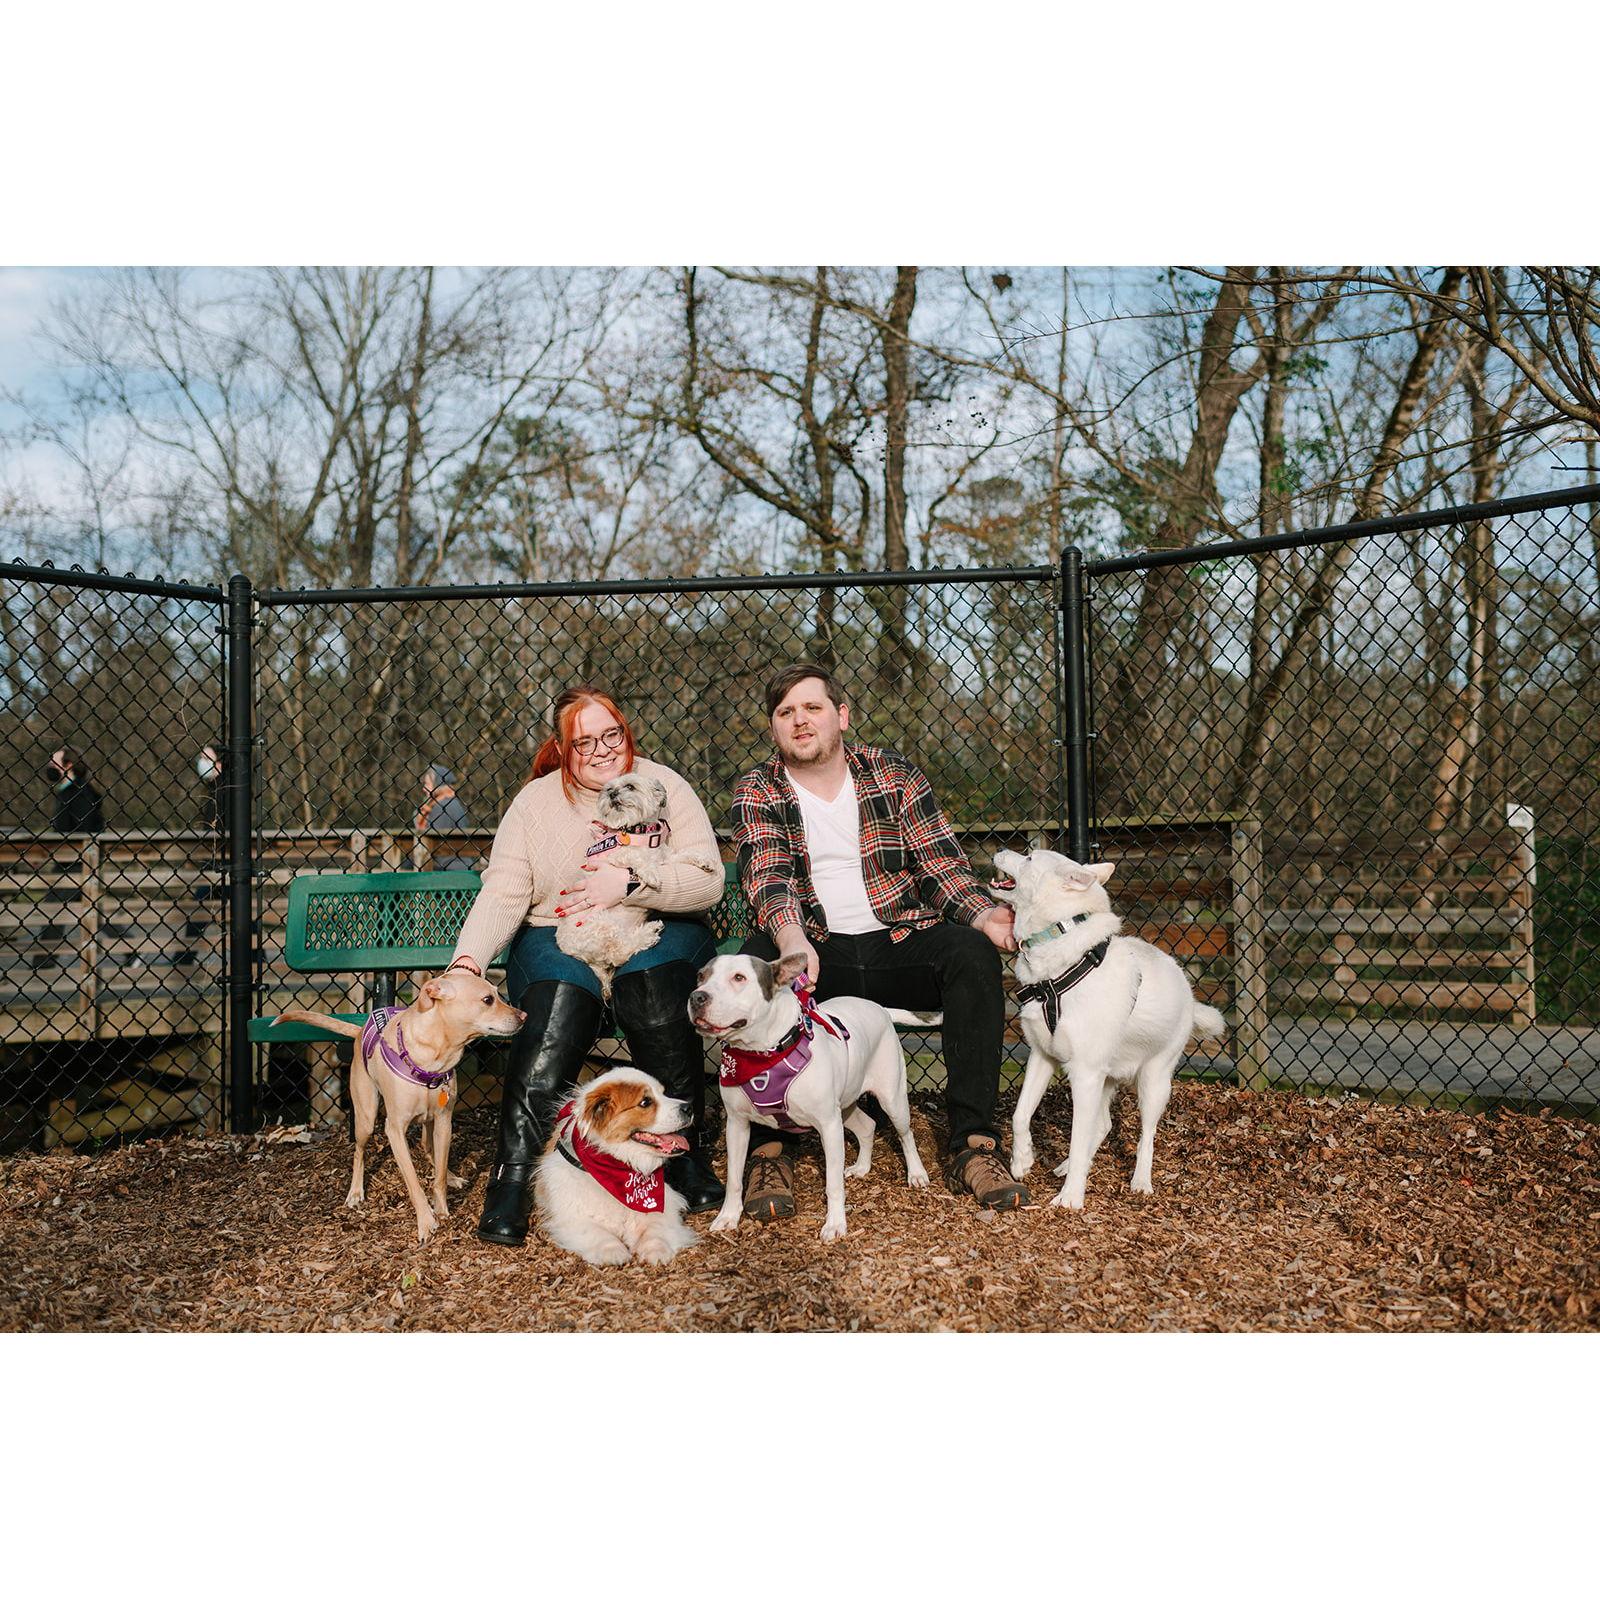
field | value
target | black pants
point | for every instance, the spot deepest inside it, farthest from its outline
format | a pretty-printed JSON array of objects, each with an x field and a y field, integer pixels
[{"x": 950, "y": 968}]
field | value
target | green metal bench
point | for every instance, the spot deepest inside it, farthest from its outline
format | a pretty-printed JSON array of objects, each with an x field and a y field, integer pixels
[
  {"x": 379, "y": 923},
  {"x": 382, "y": 923}
]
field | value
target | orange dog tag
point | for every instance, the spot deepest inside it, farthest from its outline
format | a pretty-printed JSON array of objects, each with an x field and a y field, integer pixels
[{"x": 444, "y": 1099}]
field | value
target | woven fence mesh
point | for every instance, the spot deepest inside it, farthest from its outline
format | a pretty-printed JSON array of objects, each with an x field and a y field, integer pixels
[
  {"x": 357, "y": 699},
  {"x": 1351, "y": 786},
  {"x": 1355, "y": 787},
  {"x": 112, "y": 898}
]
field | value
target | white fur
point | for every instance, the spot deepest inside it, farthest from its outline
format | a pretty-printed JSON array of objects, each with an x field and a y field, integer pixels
[
  {"x": 579, "y": 1215},
  {"x": 745, "y": 1001},
  {"x": 1128, "y": 1021},
  {"x": 606, "y": 939}
]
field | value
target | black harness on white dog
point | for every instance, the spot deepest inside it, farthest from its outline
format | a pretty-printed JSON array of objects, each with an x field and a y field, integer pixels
[{"x": 1050, "y": 990}]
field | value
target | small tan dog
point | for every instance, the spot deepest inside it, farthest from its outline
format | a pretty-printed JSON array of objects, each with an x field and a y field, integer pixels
[
  {"x": 600, "y": 1190},
  {"x": 408, "y": 1055}
]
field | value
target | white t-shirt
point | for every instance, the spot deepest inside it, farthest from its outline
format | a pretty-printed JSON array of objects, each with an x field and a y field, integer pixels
[{"x": 833, "y": 841}]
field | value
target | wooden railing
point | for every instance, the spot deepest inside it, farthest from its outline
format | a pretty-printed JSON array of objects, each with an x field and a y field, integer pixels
[{"x": 120, "y": 936}]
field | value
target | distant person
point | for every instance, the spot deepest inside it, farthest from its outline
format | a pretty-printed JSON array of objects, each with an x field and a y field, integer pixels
[
  {"x": 75, "y": 805},
  {"x": 212, "y": 765},
  {"x": 441, "y": 812}
]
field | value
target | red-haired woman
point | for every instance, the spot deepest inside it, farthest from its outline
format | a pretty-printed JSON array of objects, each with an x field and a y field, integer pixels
[{"x": 537, "y": 873}]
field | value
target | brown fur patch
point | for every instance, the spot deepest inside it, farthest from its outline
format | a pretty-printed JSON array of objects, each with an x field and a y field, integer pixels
[{"x": 617, "y": 1111}]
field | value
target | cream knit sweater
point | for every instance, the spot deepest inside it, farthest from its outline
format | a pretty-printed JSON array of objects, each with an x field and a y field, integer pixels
[{"x": 539, "y": 848}]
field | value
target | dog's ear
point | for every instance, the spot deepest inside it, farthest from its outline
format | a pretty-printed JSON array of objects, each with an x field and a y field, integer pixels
[
  {"x": 597, "y": 1108},
  {"x": 431, "y": 991},
  {"x": 788, "y": 969},
  {"x": 1101, "y": 870}
]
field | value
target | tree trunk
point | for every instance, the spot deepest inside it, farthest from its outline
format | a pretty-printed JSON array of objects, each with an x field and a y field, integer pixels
[
  {"x": 1162, "y": 598},
  {"x": 894, "y": 659},
  {"x": 1250, "y": 774}
]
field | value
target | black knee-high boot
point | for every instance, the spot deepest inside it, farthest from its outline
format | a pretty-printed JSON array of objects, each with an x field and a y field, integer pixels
[
  {"x": 563, "y": 1019},
  {"x": 652, "y": 1009}
]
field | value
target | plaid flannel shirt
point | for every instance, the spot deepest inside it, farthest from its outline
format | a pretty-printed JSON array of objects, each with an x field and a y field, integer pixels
[{"x": 915, "y": 869}]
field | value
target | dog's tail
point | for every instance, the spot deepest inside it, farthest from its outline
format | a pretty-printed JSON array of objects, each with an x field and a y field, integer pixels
[
  {"x": 915, "y": 1020},
  {"x": 1209, "y": 1023},
  {"x": 317, "y": 1019}
]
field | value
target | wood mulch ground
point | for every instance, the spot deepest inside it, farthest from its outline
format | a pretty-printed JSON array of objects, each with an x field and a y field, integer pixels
[{"x": 1270, "y": 1211}]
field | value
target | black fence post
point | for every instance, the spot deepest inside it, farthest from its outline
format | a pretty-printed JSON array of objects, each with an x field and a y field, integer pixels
[
  {"x": 241, "y": 874},
  {"x": 1075, "y": 692}
]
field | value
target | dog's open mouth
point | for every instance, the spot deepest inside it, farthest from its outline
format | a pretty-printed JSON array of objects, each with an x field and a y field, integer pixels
[
  {"x": 714, "y": 1028},
  {"x": 1001, "y": 881},
  {"x": 669, "y": 1144}
]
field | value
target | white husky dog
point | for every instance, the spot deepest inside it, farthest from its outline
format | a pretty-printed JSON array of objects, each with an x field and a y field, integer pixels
[{"x": 1106, "y": 1010}]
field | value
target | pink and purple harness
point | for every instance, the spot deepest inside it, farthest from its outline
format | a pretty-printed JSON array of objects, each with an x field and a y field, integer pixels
[
  {"x": 766, "y": 1076},
  {"x": 399, "y": 1061}
]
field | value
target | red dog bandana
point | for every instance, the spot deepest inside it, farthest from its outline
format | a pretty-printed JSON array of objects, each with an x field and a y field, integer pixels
[{"x": 638, "y": 1191}]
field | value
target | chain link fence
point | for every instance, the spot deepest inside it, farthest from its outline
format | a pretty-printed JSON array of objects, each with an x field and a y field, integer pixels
[
  {"x": 1348, "y": 779},
  {"x": 358, "y": 696},
  {"x": 1352, "y": 781},
  {"x": 112, "y": 906}
]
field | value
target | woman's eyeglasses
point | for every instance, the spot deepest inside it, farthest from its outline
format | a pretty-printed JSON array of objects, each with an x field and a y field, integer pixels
[{"x": 611, "y": 739}]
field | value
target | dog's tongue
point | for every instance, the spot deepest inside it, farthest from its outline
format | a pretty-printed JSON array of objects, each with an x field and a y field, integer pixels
[{"x": 669, "y": 1144}]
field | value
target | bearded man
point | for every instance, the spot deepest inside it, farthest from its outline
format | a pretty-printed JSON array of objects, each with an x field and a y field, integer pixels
[{"x": 845, "y": 855}]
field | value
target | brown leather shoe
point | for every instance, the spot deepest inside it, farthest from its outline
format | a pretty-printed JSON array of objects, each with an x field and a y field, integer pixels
[
  {"x": 979, "y": 1171},
  {"x": 769, "y": 1184}
]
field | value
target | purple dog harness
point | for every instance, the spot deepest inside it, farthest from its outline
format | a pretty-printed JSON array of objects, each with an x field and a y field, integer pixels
[
  {"x": 398, "y": 1061},
  {"x": 766, "y": 1076}
]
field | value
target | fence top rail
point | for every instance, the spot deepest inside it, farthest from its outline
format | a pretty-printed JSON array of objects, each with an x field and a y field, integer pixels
[
  {"x": 78, "y": 578},
  {"x": 1142, "y": 560},
  {"x": 660, "y": 586}
]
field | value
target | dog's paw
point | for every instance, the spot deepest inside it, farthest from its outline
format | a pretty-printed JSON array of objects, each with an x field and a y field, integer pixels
[
  {"x": 452, "y": 1181},
  {"x": 357, "y": 1194},
  {"x": 858, "y": 1169},
  {"x": 1068, "y": 1202},
  {"x": 655, "y": 1255},
  {"x": 1142, "y": 1186},
  {"x": 1060, "y": 1168},
  {"x": 427, "y": 1225},
  {"x": 441, "y": 1206},
  {"x": 832, "y": 1230},
  {"x": 607, "y": 1255},
  {"x": 1021, "y": 1161},
  {"x": 917, "y": 1179},
  {"x": 725, "y": 1222}
]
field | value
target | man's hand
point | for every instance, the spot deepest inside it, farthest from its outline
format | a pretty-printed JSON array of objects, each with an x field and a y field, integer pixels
[
  {"x": 794, "y": 942},
  {"x": 1000, "y": 926},
  {"x": 603, "y": 888}
]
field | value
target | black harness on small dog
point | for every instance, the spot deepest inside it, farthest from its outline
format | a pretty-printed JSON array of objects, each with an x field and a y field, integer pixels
[{"x": 1050, "y": 990}]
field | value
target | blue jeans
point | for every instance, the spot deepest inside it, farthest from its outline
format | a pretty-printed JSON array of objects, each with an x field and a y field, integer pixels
[{"x": 534, "y": 957}]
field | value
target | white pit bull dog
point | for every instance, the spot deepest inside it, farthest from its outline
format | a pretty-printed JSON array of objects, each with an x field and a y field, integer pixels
[{"x": 787, "y": 1063}]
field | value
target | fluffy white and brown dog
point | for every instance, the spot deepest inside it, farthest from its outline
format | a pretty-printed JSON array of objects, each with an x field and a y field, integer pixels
[
  {"x": 1102, "y": 1008},
  {"x": 632, "y": 832},
  {"x": 599, "y": 1188},
  {"x": 787, "y": 1063}
]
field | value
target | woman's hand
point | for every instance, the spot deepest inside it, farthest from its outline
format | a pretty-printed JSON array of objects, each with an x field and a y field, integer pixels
[{"x": 604, "y": 888}]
